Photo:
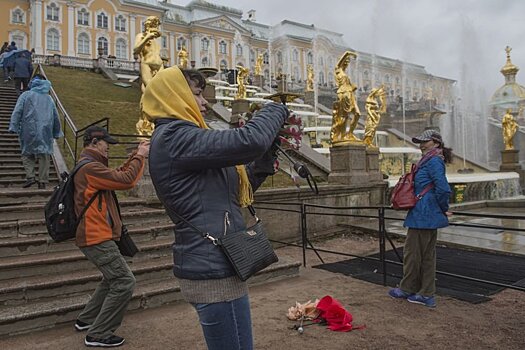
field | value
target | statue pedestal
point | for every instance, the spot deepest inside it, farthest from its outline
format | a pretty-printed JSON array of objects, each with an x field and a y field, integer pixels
[
  {"x": 372, "y": 165},
  {"x": 309, "y": 98},
  {"x": 239, "y": 107},
  {"x": 510, "y": 161},
  {"x": 144, "y": 187},
  {"x": 258, "y": 80},
  {"x": 209, "y": 93},
  {"x": 348, "y": 165}
]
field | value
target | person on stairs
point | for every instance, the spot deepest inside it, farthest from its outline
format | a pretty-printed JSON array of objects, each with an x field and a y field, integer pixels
[
  {"x": 97, "y": 232},
  {"x": 35, "y": 121},
  {"x": 22, "y": 70}
]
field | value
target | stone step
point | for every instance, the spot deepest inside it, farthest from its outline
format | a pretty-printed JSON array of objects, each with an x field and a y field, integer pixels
[
  {"x": 41, "y": 288},
  {"x": 19, "y": 246},
  {"x": 11, "y": 175},
  {"x": 20, "y": 168},
  {"x": 61, "y": 262},
  {"x": 20, "y": 196},
  {"x": 53, "y": 180},
  {"x": 14, "y": 144},
  {"x": 148, "y": 293},
  {"x": 35, "y": 226}
]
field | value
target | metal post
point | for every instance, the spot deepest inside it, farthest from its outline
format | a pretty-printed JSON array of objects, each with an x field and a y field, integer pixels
[
  {"x": 381, "y": 212},
  {"x": 303, "y": 231}
]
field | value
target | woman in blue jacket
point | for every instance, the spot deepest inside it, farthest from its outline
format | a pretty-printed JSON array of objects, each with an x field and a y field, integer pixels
[
  {"x": 206, "y": 176},
  {"x": 430, "y": 213}
]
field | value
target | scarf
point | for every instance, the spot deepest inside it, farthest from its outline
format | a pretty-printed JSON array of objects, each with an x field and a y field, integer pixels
[
  {"x": 433, "y": 152},
  {"x": 168, "y": 95}
]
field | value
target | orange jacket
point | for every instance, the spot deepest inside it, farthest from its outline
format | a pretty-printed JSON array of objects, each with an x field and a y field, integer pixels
[{"x": 101, "y": 221}]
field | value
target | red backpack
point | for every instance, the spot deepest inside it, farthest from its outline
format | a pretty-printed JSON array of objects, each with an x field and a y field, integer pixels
[{"x": 403, "y": 194}]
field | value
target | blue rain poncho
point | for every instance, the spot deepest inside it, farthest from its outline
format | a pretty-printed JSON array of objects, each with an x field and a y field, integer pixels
[{"x": 35, "y": 119}]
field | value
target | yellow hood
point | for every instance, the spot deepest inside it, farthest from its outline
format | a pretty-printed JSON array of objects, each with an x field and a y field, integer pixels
[{"x": 168, "y": 95}]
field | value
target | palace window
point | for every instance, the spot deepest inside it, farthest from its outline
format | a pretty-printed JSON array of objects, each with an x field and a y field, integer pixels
[
  {"x": 205, "y": 44},
  {"x": 52, "y": 12},
  {"x": 295, "y": 55},
  {"x": 83, "y": 17},
  {"x": 120, "y": 23},
  {"x": 17, "y": 16},
  {"x": 164, "y": 42},
  {"x": 83, "y": 44},
  {"x": 266, "y": 74},
  {"x": 102, "y": 21},
  {"x": 252, "y": 56},
  {"x": 223, "y": 47},
  {"x": 321, "y": 78},
  {"x": 102, "y": 46},
  {"x": 180, "y": 43},
  {"x": 224, "y": 65},
  {"x": 53, "y": 38},
  {"x": 279, "y": 57},
  {"x": 204, "y": 62},
  {"x": 238, "y": 50},
  {"x": 265, "y": 58},
  {"x": 19, "y": 40},
  {"x": 121, "y": 49},
  {"x": 310, "y": 58}
]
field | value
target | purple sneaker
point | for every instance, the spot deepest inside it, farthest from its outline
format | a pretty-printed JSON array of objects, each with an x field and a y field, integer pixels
[
  {"x": 397, "y": 293},
  {"x": 419, "y": 299}
]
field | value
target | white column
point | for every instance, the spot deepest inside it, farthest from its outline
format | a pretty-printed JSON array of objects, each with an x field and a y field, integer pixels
[
  {"x": 173, "y": 55},
  {"x": 131, "y": 35},
  {"x": 36, "y": 30},
  {"x": 246, "y": 54},
  {"x": 195, "y": 50},
  {"x": 212, "y": 52},
  {"x": 70, "y": 29}
]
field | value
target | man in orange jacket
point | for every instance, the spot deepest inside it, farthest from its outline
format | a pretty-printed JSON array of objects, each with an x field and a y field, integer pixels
[{"x": 97, "y": 232}]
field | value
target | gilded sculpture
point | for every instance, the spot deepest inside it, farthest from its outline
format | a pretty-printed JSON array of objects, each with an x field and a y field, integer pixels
[
  {"x": 345, "y": 105},
  {"x": 259, "y": 65},
  {"x": 183, "y": 58},
  {"x": 242, "y": 75},
  {"x": 375, "y": 106},
  {"x": 148, "y": 51},
  {"x": 509, "y": 126},
  {"x": 309, "y": 78}
]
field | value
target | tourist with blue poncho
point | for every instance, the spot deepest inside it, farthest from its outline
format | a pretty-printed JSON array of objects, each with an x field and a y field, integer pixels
[{"x": 35, "y": 121}]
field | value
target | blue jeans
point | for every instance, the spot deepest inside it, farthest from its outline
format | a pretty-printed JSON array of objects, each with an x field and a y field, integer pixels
[{"x": 227, "y": 325}]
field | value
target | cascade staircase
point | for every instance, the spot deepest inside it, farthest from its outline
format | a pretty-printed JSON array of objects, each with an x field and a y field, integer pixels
[{"x": 43, "y": 283}]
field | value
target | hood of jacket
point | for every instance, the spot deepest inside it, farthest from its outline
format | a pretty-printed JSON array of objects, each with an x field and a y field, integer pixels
[{"x": 41, "y": 86}]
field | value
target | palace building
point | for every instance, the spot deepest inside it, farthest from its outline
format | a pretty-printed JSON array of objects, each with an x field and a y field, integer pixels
[{"x": 214, "y": 36}]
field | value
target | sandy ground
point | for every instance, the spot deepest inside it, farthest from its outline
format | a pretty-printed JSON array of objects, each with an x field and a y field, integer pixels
[{"x": 390, "y": 324}]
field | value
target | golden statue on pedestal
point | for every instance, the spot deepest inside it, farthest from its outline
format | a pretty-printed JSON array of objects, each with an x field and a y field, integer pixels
[
  {"x": 375, "y": 106},
  {"x": 259, "y": 65},
  {"x": 242, "y": 74},
  {"x": 309, "y": 78},
  {"x": 148, "y": 51},
  {"x": 346, "y": 103},
  {"x": 183, "y": 58},
  {"x": 509, "y": 126}
]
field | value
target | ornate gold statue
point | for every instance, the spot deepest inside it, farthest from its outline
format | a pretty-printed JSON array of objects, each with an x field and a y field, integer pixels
[
  {"x": 346, "y": 103},
  {"x": 375, "y": 106},
  {"x": 259, "y": 65},
  {"x": 242, "y": 74},
  {"x": 309, "y": 78},
  {"x": 183, "y": 58},
  {"x": 509, "y": 126},
  {"x": 148, "y": 51}
]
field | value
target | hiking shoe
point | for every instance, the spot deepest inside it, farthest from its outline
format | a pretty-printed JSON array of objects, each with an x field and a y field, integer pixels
[
  {"x": 29, "y": 183},
  {"x": 397, "y": 293},
  {"x": 81, "y": 326},
  {"x": 110, "y": 342},
  {"x": 41, "y": 185},
  {"x": 419, "y": 299}
]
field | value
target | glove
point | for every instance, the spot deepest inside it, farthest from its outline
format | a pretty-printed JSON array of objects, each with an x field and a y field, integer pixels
[{"x": 291, "y": 132}]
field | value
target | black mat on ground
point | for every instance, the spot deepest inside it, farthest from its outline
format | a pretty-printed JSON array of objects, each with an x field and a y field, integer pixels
[{"x": 481, "y": 265}]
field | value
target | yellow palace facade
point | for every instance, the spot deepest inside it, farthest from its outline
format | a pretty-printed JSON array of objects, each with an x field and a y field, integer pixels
[{"x": 214, "y": 36}]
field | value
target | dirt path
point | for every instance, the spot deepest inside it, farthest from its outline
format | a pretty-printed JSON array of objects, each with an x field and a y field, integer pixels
[{"x": 390, "y": 324}]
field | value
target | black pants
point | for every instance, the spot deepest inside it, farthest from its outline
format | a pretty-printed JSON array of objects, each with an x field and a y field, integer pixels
[{"x": 21, "y": 82}]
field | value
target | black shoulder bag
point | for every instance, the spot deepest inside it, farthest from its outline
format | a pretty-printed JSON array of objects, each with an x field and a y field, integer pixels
[
  {"x": 126, "y": 245},
  {"x": 249, "y": 250}
]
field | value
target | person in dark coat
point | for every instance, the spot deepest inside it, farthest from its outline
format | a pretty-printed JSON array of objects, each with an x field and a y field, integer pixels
[
  {"x": 206, "y": 176},
  {"x": 22, "y": 72},
  {"x": 12, "y": 47},
  {"x": 430, "y": 213},
  {"x": 4, "y": 47}
]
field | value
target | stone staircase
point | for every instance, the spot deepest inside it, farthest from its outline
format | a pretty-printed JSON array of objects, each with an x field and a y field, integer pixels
[{"x": 43, "y": 283}]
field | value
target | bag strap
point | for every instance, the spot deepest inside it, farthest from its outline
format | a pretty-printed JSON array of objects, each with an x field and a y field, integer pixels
[
  {"x": 92, "y": 199},
  {"x": 206, "y": 235},
  {"x": 114, "y": 195}
]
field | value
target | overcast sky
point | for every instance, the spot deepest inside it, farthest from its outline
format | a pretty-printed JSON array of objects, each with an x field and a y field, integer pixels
[{"x": 438, "y": 34}]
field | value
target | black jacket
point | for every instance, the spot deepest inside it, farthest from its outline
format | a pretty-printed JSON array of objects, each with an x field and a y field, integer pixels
[{"x": 193, "y": 171}]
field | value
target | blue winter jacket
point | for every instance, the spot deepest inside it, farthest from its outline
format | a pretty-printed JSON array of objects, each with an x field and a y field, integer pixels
[
  {"x": 429, "y": 212},
  {"x": 193, "y": 171},
  {"x": 35, "y": 120}
]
